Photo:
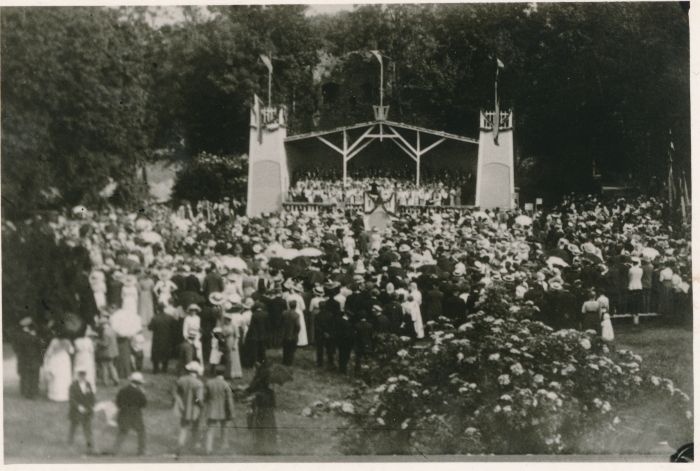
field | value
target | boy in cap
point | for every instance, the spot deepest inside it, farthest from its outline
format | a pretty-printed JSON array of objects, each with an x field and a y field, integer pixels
[
  {"x": 130, "y": 402},
  {"x": 80, "y": 410}
]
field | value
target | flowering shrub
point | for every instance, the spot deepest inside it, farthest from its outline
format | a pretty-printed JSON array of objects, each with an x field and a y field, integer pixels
[{"x": 500, "y": 385}]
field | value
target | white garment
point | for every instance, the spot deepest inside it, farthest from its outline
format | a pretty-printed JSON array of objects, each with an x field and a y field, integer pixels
[
  {"x": 301, "y": 307},
  {"x": 607, "y": 328},
  {"x": 85, "y": 359},
  {"x": 191, "y": 323},
  {"x": 58, "y": 369},
  {"x": 130, "y": 299},
  {"x": 635, "y": 278},
  {"x": 413, "y": 309}
]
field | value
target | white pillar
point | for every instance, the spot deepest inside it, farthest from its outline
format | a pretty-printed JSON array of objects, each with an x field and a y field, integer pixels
[
  {"x": 418, "y": 154},
  {"x": 345, "y": 159}
]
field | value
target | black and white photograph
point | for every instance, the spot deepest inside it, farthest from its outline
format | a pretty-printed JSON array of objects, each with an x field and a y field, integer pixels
[{"x": 403, "y": 232}]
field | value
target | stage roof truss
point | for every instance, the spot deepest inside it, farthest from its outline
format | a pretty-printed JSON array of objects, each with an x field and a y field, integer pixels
[{"x": 381, "y": 130}]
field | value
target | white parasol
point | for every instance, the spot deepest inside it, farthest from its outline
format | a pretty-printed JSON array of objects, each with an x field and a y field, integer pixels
[
  {"x": 125, "y": 323},
  {"x": 310, "y": 252},
  {"x": 151, "y": 237},
  {"x": 480, "y": 215},
  {"x": 556, "y": 261},
  {"x": 523, "y": 220},
  {"x": 650, "y": 252},
  {"x": 233, "y": 263}
]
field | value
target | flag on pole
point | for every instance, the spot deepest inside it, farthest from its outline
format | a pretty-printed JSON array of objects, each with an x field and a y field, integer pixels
[
  {"x": 266, "y": 60},
  {"x": 669, "y": 183},
  {"x": 497, "y": 111},
  {"x": 378, "y": 55},
  {"x": 258, "y": 117}
]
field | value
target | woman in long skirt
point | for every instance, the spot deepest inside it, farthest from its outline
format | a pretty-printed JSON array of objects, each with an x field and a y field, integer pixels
[
  {"x": 146, "y": 285},
  {"x": 231, "y": 331},
  {"x": 58, "y": 369}
]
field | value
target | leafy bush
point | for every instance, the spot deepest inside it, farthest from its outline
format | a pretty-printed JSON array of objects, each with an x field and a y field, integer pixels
[
  {"x": 501, "y": 385},
  {"x": 213, "y": 178}
]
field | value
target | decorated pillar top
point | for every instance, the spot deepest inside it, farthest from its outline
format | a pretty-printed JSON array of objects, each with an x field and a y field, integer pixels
[{"x": 486, "y": 120}]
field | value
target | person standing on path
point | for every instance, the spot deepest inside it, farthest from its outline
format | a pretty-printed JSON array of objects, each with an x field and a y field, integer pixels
[
  {"x": 80, "y": 410},
  {"x": 29, "y": 348},
  {"x": 262, "y": 421},
  {"x": 635, "y": 288},
  {"x": 188, "y": 394},
  {"x": 219, "y": 399},
  {"x": 291, "y": 325},
  {"x": 130, "y": 402}
]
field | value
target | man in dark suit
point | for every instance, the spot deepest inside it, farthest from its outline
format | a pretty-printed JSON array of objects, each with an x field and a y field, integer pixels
[
  {"x": 291, "y": 325},
  {"x": 213, "y": 282},
  {"x": 162, "y": 327},
  {"x": 257, "y": 336},
  {"x": 324, "y": 334},
  {"x": 81, "y": 399},
  {"x": 363, "y": 341},
  {"x": 130, "y": 402},
  {"x": 276, "y": 305},
  {"x": 29, "y": 349},
  {"x": 345, "y": 337},
  {"x": 433, "y": 302}
]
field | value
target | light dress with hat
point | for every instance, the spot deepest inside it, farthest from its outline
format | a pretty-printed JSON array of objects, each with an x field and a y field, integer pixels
[
  {"x": 57, "y": 369},
  {"x": 295, "y": 295},
  {"x": 130, "y": 294}
]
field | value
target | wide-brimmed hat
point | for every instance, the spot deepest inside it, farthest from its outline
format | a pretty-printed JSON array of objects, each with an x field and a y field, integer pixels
[
  {"x": 193, "y": 367},
  {"x": 318, "y": 290},
  {"x": 194, "y": 307},
  {"x": 136, "y": 377},
  {"x": 217, "y": 298},
  {"x": 331, "y": 284}
]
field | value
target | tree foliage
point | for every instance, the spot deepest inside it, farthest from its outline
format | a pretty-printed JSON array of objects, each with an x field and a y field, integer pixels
[
  {"x": 212, "y": 178},
  {"x": 91, "y": 93}
]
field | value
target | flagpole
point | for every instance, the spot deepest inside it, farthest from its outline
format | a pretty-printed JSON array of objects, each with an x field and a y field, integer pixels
[
  {"x": 381, "y": 83},
  {"x": 269, "y": 84}
]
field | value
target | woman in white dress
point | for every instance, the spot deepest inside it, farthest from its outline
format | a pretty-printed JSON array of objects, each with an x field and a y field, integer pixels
[
  {"x": 232, "y": 334},
  {"x": 58, "y": 369},
  {"x": 84, "y": 359},
  {"x": 412, "y": 308},
  {"x": 295, "y": 295},
  {"x": 99, "y": 288},
  {"x": 130, "y": 294}
]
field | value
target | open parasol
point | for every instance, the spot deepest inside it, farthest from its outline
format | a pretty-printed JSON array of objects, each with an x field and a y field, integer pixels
[
  {"x": 233, "y": 263},
  {"x": 523, "y": 220},
  {"x": 125, "y": 323},
  {"x": 650, "y": 252},
  {"x": 556, "y": 262},
  {"x": 151, "y": 237},
  {"x": 310, "y": 252}
]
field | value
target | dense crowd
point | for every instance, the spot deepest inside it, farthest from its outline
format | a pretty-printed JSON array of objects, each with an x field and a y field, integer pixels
[{"x": 216, "y": 294}]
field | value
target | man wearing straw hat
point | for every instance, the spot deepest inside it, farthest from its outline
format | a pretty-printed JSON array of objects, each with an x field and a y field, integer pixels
[{"x": 188, "y": 394}]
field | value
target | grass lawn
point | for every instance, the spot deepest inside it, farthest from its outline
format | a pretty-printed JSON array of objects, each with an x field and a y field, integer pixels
[{"x": 35, "y": 431}]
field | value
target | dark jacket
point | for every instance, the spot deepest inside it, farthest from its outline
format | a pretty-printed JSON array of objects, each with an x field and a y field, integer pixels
[
  {"x": 130, "y": 401},
  {"x": 213, "y": 283},
  {"x": 291, "y": 325},
  {"x": 162, "y": 327},
  {"x": 77, "y": 398},
  {"x": 257, "y": 331}
]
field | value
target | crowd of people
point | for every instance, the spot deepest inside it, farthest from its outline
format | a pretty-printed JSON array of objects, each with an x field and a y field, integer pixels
[
  {"x": 215, "y": 296},
  {"x": 434, "y": 190}
]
